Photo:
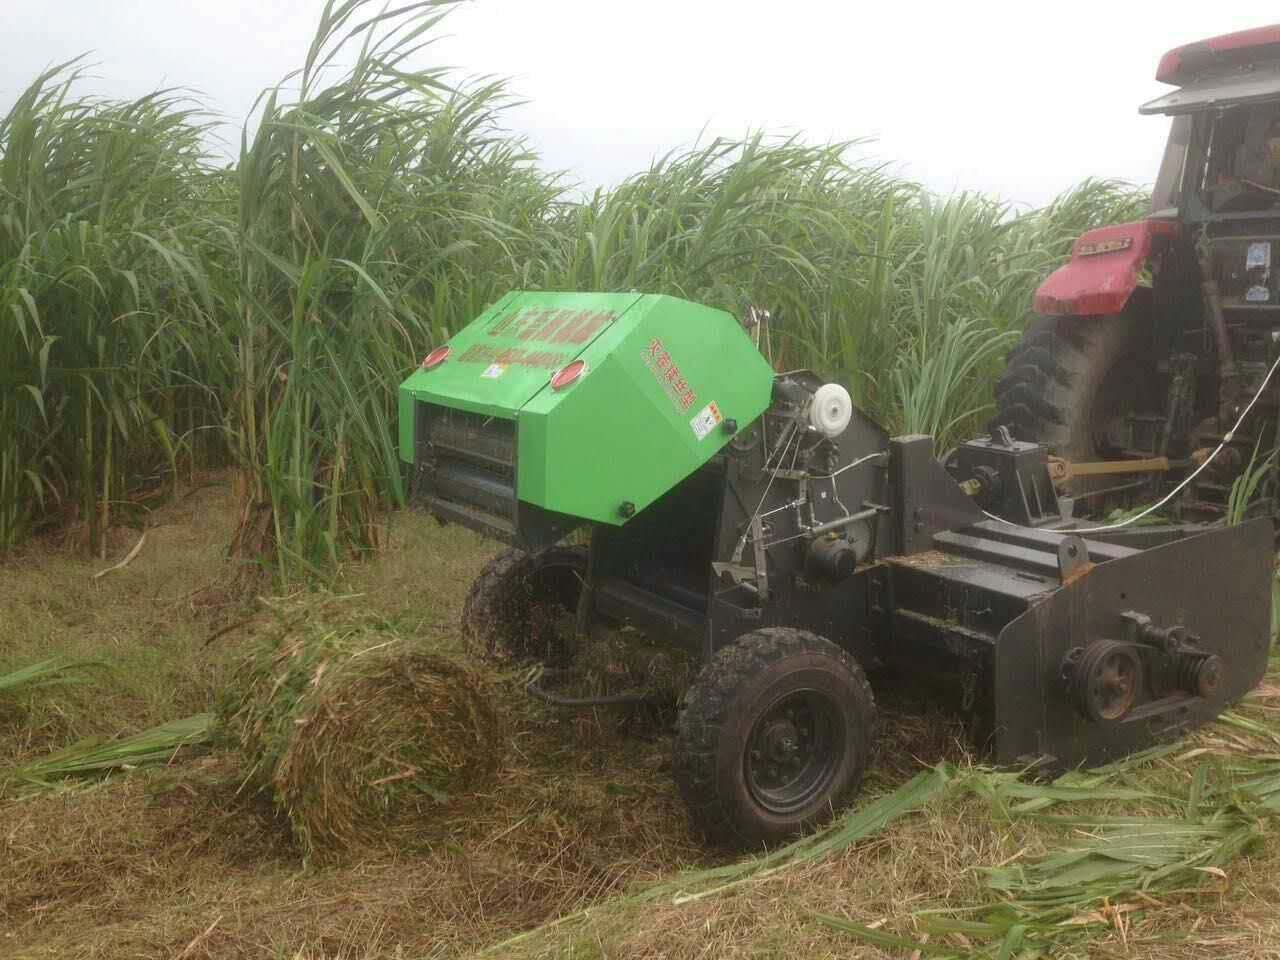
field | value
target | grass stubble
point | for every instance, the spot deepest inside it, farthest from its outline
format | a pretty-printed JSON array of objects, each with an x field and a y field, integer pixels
[
  {"x": 579, "y": 823},
  {"x": 144, "y": 863}
]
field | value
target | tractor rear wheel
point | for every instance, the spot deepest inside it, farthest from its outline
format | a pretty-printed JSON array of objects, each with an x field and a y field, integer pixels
[
  {"x": 523, "y": 605},
  {"x": 775, "y": 731},
  {"x": 1071, "y": 384}
]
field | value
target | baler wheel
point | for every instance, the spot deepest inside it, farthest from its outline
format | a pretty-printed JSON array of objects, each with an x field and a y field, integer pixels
[
  {"x": 775, "y": 731},
  {"x": 1070, "y": 379},
  {"x": 522, "y": 605}
]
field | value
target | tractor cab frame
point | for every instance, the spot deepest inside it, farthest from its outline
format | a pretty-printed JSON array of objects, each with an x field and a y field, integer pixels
[{"x": 1157, "y": 334}]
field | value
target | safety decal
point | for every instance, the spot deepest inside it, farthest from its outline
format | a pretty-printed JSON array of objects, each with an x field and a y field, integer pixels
[
  {"x": 706, "y": 420},
  {"x": 1259, "y": 256}
]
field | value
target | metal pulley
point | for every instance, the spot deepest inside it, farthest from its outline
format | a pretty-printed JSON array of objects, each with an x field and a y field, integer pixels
[
  {"x": 831, "y": 410},
  {"x": 1105, "y": 679}
]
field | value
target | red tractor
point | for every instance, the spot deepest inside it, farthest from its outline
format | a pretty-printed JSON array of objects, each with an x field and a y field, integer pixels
[{"x": 1149, "y": 345}]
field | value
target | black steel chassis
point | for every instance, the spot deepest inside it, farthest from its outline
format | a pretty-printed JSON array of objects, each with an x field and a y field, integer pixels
[
  {"x": 1061, "y": 646},
  {"x": 1054, "y": 638}
]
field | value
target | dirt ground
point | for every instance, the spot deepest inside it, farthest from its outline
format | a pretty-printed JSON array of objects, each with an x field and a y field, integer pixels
[{"x": 186, "y": 862}]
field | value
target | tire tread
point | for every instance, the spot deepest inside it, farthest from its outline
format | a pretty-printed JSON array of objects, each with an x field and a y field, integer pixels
[
  {"x": 498, "y": 589},
  {"x": 703, "y": 717}
]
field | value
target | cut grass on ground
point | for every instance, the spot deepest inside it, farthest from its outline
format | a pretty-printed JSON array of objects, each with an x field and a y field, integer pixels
[{"x": 186, "y": 860}]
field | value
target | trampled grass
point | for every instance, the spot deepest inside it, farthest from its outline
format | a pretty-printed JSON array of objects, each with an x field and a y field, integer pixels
[
  {"x": 167, "y": 743},
  {"x": 1083, "y": 879},
  {"x": 579, "y": 847},
  {"x": 42, "y": 673}
]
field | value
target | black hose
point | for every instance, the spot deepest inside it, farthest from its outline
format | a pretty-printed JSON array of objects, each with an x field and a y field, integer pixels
[{"x": 535, "y": 689}]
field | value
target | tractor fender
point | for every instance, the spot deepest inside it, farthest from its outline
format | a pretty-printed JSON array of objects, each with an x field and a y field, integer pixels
[{"x": 1103, "y": 270}]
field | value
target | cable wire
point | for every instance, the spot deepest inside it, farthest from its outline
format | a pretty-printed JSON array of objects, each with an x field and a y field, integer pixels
[
  {"x": 746, "y": 534},
  {"x": 848, "y": 466}
]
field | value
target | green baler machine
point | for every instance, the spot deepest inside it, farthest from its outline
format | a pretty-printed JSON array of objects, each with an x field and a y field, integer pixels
[
  {"x": 789, "y": 546},
  {"x": 639, "y": 405}
]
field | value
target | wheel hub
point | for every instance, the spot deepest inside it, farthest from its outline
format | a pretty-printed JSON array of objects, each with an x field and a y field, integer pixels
[
  {"x": 790, "y": 756},
  {"x": 782, "y": 741}
]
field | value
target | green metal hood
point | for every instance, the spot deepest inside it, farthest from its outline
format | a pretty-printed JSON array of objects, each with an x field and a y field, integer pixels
[
  {"x": 504, "y": 357},
  {"x": 662, "y": 379}
]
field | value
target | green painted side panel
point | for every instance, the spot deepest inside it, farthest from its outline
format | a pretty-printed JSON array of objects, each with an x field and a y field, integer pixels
[
  {"x": 662, "y": 375},
  {"x": 625, "y": 432}
]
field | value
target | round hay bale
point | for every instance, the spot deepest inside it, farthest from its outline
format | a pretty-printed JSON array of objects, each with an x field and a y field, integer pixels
[{"x": 353, "y": 732}]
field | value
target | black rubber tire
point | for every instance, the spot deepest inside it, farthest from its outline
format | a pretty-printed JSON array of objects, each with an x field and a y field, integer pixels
[
  {"x": 736, "y": 689},
  {"x": 1067, "y": 373},
  {"x": 516, "y": 601}
]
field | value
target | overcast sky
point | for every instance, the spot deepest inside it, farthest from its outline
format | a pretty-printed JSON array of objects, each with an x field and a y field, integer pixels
[{"x": 1020, "y": 98}]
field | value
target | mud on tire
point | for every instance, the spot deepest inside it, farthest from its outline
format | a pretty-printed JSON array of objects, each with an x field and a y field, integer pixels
[
  {"x": 519, "y": 604},
  {"x": 735, "y": 768}
]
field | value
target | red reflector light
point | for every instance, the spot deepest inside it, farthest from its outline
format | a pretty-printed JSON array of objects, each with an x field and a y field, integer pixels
[
  {"x": 436, "y": 357},
  {"x": 568, "y": 375}
]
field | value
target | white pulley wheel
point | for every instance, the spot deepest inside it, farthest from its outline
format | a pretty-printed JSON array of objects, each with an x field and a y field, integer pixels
[{"x": 831, "y": 410}]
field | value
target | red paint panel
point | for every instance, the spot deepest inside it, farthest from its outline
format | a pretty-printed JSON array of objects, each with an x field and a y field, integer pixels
[
  {"x": 1171, "y": 64},
  {"x": 1100, "y": 284},
  {"x": 1256, "y": 37}
]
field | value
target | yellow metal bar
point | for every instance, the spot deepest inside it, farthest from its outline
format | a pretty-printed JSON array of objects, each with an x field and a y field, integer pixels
[{"x": 1099, "y": 468}]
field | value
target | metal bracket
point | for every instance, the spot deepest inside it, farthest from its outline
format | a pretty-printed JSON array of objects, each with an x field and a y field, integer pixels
[
  {"x": 739, "y": 574},
  {"x": 762, "y": 568},
  {"x": 1073, "y": 558}
]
